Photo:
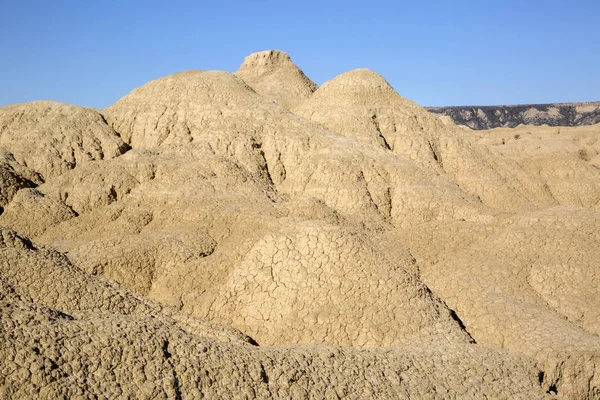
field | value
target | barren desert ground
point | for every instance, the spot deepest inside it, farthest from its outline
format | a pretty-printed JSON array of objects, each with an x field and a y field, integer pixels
[{"x": 254, "y": 235}]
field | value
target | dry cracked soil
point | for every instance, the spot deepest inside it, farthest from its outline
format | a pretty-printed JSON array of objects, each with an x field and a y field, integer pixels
[{"x": 253, "y": 235}]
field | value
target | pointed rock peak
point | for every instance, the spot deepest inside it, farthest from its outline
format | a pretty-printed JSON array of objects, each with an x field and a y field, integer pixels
[
  {"x": 267, "y": 60},
  {"x": 273, "y": 75}
]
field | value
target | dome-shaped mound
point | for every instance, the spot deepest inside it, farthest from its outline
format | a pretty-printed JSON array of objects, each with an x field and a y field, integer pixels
[
  {"x": 51, "y": 138},
  {"x": 193, "y": 86},
  {"x": 362, "y": 105},
  {"x": 273, "y": 75},
  {"x": 359, "y": 87},
  {"x": 289, "y": 288},
  {"x": 177, "y": 108}
]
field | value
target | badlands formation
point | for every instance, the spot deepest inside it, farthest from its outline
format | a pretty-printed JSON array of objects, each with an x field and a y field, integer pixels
[
  {"x": 252, "y": 235},
  {"x": 487, "y": 117}
]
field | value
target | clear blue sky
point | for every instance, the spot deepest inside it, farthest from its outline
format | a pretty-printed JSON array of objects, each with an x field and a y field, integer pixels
[{"x": 457, "y": 52}]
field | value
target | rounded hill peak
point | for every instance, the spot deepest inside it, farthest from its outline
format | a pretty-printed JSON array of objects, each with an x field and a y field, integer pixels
[
  {"x": 188, "y": 86},
  {"x": 194, "y": 87},
  {"x": 168, "y": 106},
  {"x": 357, "y": 87},
  {"x": 363, "y": 77}
]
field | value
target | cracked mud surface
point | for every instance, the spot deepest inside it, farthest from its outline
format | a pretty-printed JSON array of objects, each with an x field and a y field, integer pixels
[{"x": 252, "y": 235}]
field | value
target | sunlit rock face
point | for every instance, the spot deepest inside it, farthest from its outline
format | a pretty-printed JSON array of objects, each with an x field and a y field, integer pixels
[{"x": 252, "y": 235}]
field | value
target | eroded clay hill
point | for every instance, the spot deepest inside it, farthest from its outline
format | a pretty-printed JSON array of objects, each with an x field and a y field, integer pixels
[{"x": 251, "y": 235}]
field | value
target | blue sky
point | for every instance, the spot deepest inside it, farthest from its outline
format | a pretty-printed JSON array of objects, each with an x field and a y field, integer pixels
[{"x": 433, "y": 52}]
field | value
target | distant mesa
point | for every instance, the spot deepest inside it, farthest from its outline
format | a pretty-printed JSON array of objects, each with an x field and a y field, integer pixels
[{"x": 488, "y": 117}]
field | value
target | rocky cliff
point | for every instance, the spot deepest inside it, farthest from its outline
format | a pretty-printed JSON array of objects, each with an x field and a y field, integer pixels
[{"x": 488, "y": 117}]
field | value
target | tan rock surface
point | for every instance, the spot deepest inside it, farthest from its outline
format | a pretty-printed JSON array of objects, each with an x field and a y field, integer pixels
[
  {"x": 292, "y": 287},
  {"x": 273, "y": 75},
  {"x": 11, "y": 178},
  {"x": 370, "y": 249},
  {"x": 361, "y": 104},
  {"x": 50, "y": 138},
  {"x": 91, "y": 355}
]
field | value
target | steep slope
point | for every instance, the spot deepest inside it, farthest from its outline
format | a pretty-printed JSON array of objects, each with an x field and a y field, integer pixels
[
  {"x": 12, "y": 177},
  {"x": 47, "y": 278},
  {"x": 360, "y": 104}
]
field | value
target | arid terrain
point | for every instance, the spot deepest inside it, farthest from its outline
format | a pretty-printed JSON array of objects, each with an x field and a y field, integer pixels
[
  {"x": 254, "y": 235},
  {"x": 488, "y": 117}
]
